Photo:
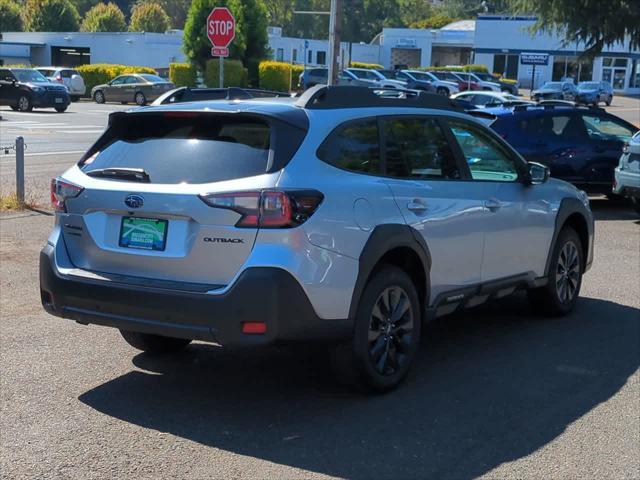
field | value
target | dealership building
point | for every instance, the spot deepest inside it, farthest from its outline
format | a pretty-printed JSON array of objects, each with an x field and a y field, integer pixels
[{"x": 496, "y": 41}]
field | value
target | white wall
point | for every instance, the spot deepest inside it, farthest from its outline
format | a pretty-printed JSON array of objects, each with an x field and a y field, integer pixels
[
  {"x": 155, "y": 50},
  {"x": 359, "y": 52}
]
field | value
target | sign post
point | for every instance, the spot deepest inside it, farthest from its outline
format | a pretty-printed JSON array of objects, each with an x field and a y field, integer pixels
[
  {"x": 221, "y": 30},
  {"x": 533, "y": 59}
]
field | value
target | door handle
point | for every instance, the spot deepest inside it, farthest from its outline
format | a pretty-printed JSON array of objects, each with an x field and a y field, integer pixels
[
  {"x": 417, "y": 205},
  {"x": 493, "y": 204}
]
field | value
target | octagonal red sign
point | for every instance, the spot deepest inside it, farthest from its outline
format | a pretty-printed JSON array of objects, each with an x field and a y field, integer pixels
[{"x": 221, "y": 27}]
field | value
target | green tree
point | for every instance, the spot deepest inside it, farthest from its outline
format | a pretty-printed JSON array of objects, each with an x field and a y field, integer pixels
[
  {"x": 177, "y": 11},
  {"x": 50, "y": 16},
  {"x": 255, "y": 25},
  {"x": 196, "y": 45},
  {"x": 438, "y": 20},
  {"x": 10, "y": 20},
  {"x": 149, "y": 17},
  {"x": 594, "y": 22},
  {"x": 104, "y": 17},
  {"x": 83, "y": 6}
]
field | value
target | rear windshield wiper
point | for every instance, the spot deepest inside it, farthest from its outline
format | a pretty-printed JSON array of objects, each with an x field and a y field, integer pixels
[{"x": 131, "y": 174}]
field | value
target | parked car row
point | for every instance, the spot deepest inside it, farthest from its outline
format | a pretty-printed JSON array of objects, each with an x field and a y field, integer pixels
[
  {"x": 588, "y": 93},
  {"x": 24, "y": 89}
]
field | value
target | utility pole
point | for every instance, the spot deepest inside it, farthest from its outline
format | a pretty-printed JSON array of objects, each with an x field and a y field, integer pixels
[{"x": 335, "y": 18}]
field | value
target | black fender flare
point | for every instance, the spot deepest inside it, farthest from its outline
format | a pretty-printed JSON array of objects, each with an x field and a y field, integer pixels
[
  {"x": 383, "y": 239},
  {"x": 568, "y": 207}
]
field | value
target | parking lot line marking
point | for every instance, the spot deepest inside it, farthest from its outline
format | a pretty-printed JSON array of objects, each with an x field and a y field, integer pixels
[{"x": 79, "y": 131}]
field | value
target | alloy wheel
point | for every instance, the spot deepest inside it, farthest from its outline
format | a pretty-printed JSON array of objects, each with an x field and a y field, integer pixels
[
  {"x": 567, "y": 272},
  {"x": 23, "y": 104},
  {"x": 390, "y": 331}
]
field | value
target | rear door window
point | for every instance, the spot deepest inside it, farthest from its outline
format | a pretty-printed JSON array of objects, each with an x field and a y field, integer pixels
[
  {"x": 353, "y": 146},
  {"x": 416, "y": 148},
  {"x": 606, "y": 128},
  {"x": 186, "y": 147}
]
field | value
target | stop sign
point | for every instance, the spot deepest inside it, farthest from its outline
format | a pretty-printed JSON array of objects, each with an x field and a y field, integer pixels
[{"x": 221, "y": 27}]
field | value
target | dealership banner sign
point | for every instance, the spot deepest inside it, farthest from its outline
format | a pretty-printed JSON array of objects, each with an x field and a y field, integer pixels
[{"x": 530, "y": 58}]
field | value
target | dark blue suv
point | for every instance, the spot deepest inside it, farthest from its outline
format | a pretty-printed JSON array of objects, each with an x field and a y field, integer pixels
[{"x": 580, "y": 145}]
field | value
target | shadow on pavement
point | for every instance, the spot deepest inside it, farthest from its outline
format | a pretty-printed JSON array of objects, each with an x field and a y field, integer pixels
[
  {"x": 616, "y": 209},
  {"x": 490, "y": 386}
]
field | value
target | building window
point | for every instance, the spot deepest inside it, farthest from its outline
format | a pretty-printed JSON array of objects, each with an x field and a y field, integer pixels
[
  {"x": 310, "y": 57},
  {"x": 634, "y": 81},
  {"x": 280, "y": 54},
  {"x": 572, "y": 67},
  {"x": 321, "y": 58},
  {"x": 506, "y": 65},
  {"x": 614, "y": 71},
  {"x": 294, "y": 55}
]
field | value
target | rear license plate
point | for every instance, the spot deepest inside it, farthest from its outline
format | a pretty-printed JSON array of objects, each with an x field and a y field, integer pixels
[
  {"x": 144, "y": 233},
  {"x": 58, "y": 100}
]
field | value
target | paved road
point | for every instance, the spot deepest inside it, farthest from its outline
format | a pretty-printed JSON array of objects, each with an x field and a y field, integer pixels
[{"x": 497, "y": 392}]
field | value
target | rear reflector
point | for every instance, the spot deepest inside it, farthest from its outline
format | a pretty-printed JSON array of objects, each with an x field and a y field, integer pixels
[{"x": 254, "y": 328}]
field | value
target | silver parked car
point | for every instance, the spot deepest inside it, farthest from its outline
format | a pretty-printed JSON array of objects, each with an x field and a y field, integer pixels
[
  {"x": 627, "y": 173},
  {"x": 70, "y": 78},
  {"x": 347, "y": 215}
]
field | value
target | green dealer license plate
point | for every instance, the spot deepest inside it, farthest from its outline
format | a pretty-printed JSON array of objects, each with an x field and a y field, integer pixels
[{"x": 144, "y": 233}]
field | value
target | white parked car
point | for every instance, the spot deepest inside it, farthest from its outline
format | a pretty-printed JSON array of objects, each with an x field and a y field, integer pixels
[
  {"x": 416, "y": 79},
  {"x": 68, "y": 77},
  {"x": 486, "y": 99},
  {"x": 627, "y": 173},
  {"x": 379, "y": 78}
]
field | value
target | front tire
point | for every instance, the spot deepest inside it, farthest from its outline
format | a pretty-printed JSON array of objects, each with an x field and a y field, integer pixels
[
  {"x": 98, "y": 97},
  {"x": 24, "y": 104},
  {"x": 154, "y": 343},
  {"x": 561, "y": 293},
  {"x": 386, "y": 333},
  {"x": 140, "y": 99}
]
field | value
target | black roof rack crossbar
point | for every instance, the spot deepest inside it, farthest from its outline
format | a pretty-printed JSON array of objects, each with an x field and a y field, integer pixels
[{"x": 322, "y": 97}]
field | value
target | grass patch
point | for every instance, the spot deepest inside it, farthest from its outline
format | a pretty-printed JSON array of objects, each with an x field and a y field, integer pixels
[{"x": 10, "y": 202}]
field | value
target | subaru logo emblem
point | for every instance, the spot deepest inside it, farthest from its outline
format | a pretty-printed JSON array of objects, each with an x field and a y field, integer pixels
[{"x": 134, "y": 201}]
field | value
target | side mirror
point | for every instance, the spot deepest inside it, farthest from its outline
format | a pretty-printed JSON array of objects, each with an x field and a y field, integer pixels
[{"x": 538, "y": 173}]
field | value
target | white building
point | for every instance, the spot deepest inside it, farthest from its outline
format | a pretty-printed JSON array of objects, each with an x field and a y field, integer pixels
[{"x": 155, "y": 50}]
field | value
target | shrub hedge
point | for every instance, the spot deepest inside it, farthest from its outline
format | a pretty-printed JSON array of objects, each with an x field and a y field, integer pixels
[
  {"x": 373, "y": 66},
  {"x": 100, "y": 73},
  {"x": 183, "y": 74},
  {"x": 275, "y": 75},
  {"x": 460, "y": 68},
  {"x": 235, "y": 75}
]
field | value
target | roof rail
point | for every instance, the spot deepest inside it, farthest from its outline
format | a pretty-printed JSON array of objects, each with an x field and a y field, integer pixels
[
  {"x": 322, "y": 97},
  {"x": 557, "y": 103}
]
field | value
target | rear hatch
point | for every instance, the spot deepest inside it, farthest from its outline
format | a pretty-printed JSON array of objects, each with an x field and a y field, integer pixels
[{"x": 141, "y": 213}]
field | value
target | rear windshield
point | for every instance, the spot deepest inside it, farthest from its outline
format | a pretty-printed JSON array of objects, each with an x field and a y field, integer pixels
[{"x": 185, "y": 147}]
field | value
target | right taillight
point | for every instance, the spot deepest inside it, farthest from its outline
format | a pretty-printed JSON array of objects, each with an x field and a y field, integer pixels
[
  {"x": 61, "y": 190},
  {"x": 268, "y": 208}
]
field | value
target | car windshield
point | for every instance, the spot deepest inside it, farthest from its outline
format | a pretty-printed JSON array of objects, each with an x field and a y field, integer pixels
[
  {"x": 365, "y": 74},
  {"x": 588, "y": 85},
  {"x": 28, "y": 75},
  {"x": 152, "y": 78},
  {"x": 552, "y": 85},
  {"x": 421, "y": 76}
]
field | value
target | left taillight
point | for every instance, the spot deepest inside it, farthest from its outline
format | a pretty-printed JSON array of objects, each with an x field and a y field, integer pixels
[
  {"x": 62, "y": 190},
  {"x": 268, "y": 208}
]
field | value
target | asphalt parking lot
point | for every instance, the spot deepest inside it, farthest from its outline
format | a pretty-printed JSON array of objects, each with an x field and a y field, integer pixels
[{"x": 497, "y": 392}]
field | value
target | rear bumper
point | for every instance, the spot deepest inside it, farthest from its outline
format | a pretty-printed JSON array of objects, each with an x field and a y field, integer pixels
[
  {"x": 269, "y": 295},
  {"x": 626, "y": 183}
]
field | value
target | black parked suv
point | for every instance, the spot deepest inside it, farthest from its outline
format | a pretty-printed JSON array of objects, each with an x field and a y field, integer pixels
[
  {"x": 580, "y": 145},
  {"x": 24, "y": 89}
]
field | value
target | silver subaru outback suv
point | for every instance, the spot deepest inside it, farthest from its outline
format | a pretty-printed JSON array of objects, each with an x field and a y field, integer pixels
[{"x": 348, "y": 215}]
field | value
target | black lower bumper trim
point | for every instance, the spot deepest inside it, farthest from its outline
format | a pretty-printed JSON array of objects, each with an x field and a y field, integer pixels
[{"x": 269, "y": 295}]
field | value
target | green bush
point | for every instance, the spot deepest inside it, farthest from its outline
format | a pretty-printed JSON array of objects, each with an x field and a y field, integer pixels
[
  {"x": 235, "y": 75},
  {"x": 296, "y": 70},
  {"x": 10, "y": 19},
  {"x": 104, "y": 17},
  {"x": 274, "y": 75},
  {"x": 100, "y": 73},
  {"x": 50, "y": 16},
  {"x": 476, "y": 68},
  {"x": 372, "y": 66},
  {"x": 459, "y": 68},
  {"x": 149, "y": 17},
  {"x": 182, "y": 74}
]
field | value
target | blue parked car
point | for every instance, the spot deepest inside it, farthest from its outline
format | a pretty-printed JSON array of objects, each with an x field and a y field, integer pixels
[
  {"x": 592, "y": 93},
  {"x": 580, "y": 145}
]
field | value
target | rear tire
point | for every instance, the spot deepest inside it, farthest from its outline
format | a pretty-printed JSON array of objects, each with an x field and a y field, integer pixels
[
  {"x": 386, "y": 333},
  {"x": 98, "y": 97},
  {"x": 561, "y": 293},
  {"x": 61, "y": 109},
  {"x": 442, "y": 91},
  {"x": 154, "y": 343}
]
